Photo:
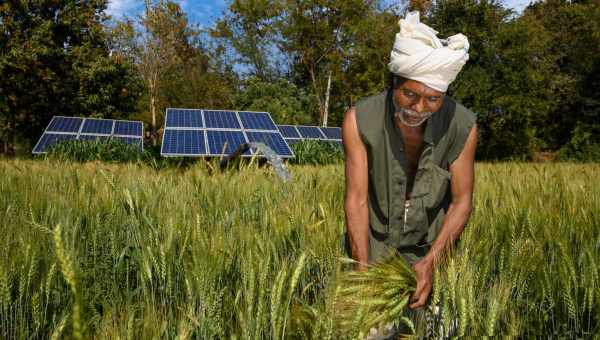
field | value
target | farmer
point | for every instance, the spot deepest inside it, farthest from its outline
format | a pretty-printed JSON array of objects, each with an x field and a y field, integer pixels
[{"x": 410, "y": 157}]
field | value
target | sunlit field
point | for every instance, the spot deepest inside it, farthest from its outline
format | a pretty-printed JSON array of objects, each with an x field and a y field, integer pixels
[{"x": 127, "y": 252}]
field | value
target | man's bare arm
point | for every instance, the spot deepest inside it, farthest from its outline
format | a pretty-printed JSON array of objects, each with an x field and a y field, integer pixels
[
  {"x": 462, "y": 182},
  {"x": 459, "y": 211},
  {"x": 356, "y": 198}
]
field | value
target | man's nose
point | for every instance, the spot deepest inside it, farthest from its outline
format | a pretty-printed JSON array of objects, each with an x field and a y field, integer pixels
[{"x": 418, "y": 105}]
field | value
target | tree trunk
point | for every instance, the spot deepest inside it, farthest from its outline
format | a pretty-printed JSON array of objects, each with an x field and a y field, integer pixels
[
  {"x": 317, "y": 94},
  {"x": 326, "y": 109},
  {"x": 153, "y": 133}
]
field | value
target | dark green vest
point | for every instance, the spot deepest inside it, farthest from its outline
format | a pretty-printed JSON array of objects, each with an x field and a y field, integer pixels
[{"x": 392, "y": 224}]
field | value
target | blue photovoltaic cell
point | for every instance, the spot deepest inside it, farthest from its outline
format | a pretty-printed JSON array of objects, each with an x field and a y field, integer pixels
[
  {"x": 288, "y": 131},
  {"x": 257, "y": 121},
  {"x": 184, "y": 118},
  {"x": 221, "y": 120},
  {"x": 65, "y": 124},
  {"x": 183, "y": 142},
  {"x": 92, "y": 137},
  {"x": 128, "y": 128},
  {"x": 310, "y": 132},
  {"x": 218, "y": 139},
  {"x": 332, "y": 132},
  {"x": 103, "y": 126},
  {"x": 49, "y": 139},
  {"x": 272, "y": 140},
  {"x": 292, "y": 141}
]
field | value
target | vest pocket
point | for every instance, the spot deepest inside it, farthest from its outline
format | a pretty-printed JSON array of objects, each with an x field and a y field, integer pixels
[{"x": 439, "y": 179}]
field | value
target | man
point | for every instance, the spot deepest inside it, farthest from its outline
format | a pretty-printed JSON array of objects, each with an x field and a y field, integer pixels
[{"x": 410, "y": 157}]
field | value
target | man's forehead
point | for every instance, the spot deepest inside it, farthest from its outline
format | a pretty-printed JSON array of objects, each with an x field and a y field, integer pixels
[{"x": 421, "y": 88}]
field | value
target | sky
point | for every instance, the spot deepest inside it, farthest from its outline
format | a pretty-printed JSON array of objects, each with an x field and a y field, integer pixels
[
  {"x": 202, "y": 12},
  {"x": 205, "y": 12}
]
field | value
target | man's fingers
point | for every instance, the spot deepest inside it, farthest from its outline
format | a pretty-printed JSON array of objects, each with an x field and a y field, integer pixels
[
  {"x": 420, "y": 302},
  {"x": 417, "y": 293}
]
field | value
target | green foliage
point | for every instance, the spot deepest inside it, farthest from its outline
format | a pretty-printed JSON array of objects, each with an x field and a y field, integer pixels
[
  {"x": 286, "y": 103},
  {"x": 54, "y": 60},
  {"x": 315, "y": 152},
  {"x": 583, "y": 146},
  {"x": 111, "y": 150}
]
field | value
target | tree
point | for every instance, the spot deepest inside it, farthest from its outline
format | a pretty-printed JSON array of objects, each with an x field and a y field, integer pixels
[
  {"x": 250, "y": 29},
  {"x": 286, "y": 103},
  {"x": 574, "y": 30},
  {"x": 162, "y": 45},
  {"x": 509, "y": 79},
  {"x": 317, "y": 36},
  {"x": 54, "y": 59}
]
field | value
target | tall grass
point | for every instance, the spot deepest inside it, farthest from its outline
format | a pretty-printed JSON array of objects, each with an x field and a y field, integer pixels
[{"x": 97, "y": 250}]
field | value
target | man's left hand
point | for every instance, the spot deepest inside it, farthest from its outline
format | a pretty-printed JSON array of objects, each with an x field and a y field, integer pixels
[{"x": 424, "y": 273}]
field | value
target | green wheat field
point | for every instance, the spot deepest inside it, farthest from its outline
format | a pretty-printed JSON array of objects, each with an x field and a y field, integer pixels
[{"x": 101, "y": 251}]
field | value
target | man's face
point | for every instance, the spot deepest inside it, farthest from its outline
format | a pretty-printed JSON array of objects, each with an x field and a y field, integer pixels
[{"x": 415, "y": 102}]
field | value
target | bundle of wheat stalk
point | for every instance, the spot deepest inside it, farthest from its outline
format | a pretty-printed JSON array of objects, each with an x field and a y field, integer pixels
[{"x": 375, "y": 298}]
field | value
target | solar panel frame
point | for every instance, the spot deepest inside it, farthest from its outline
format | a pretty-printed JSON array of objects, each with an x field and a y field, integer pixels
[
  {"x": 285, "y": 131},
  {"x": 236, "y": 125},
  {"x": 129, "y": 140},
  {"x": 322, "y": 136},
  {"x": 86, "y": 135},
  {"x": 332, "y": 134},
  {"x": 92, "y": 137},
  {"x": 293, "y": 141},
  {"x": 231, "y": 148},
  {"x": 221, "y": 122},
  {"x": 55, "y": 120},
  {"x": 89, "y": 128},
  {"x": 176, "y": 153},
  {"x": 267, "y": 123},
  {"x": 43, "y": 142},
  {"x": 172, "y": 123},
  {"x": 135, "y": 122},
  {"x": 275, "y": 141}
]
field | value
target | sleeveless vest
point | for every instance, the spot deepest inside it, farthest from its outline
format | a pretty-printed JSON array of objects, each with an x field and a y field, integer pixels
[{"x": 392, "y": 224}]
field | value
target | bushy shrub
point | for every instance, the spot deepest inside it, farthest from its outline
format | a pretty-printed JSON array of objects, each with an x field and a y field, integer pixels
[
  {"x": 101, "y": 150},
  {"x": 584, "y": 145},
  {"x": 316, "y": 152}
]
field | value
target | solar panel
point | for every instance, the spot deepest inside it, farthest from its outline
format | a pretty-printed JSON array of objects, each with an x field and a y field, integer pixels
[
  {"x": 128, "y": 128},
  {"x": 224, "y": 142},
  {"x": 183, "y": 118},
  {"x": 257, "y": 121},
  {"x": 99, "y": 126},
  {"x": 89, "y": 129},
  {"x": 221, "y": 120},
  {"x": 50, "y": 139},
  {"x": 310, "y": 132},
  {"x": 272, "y": 140},
  {"x": 64, "y": 124},
  {"x": 334, "y": 133},
  {"x": 224, "y": 131},
  {"x": 288, "y": 131},
  {"x": 183, "y": 143}
]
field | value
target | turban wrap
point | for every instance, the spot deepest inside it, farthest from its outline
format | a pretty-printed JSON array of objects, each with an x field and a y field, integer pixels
[{"x": 419, "y": 55}]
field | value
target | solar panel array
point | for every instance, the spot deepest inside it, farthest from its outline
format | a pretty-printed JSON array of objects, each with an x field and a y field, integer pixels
[
  {"x": 296, "y": 133},
  {"x": 198, "y": 132},
  {"x": 74, "y": 128}
]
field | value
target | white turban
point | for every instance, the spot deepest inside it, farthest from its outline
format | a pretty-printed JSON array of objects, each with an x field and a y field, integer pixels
[{"x": 419, "y": 55}]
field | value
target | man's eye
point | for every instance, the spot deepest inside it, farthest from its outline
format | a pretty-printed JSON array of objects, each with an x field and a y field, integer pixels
[
  {"x": 409, "y": 94},
  {"x": 433, "y": 99}
]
